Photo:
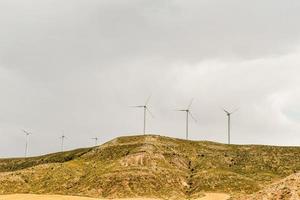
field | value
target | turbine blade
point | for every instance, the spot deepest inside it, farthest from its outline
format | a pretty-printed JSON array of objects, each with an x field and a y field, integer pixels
[
  {"x": 192, "y": 116},
  {"x": 137, "y": 106},
  {"x": 147, "y": 101},
  {"x": 191, "y": 102},
  {"x": 227, "y": 112},
  {"x": 27, "y": 132},
  {"x": 235, "y": 110},
  {"x": 181, "y": 110},
  {"x": 150, "y": 112}
]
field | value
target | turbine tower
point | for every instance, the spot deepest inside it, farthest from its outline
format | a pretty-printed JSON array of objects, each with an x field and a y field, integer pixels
[
  {"x": 63, "y": 137},
  {"x": 96, "y": 140},
  {"x": 229, "y": 122},
  {"x": 146, "y": 109},
  {"x": 188, "y": 113},
  {"x": 26, "y": 143}
]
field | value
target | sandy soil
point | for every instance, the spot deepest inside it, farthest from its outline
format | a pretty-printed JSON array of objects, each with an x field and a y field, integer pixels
[
  {"x": 52, "y": 197},
  {"x": 209, "y": 196},
  {"x": 215, "y": 196}
]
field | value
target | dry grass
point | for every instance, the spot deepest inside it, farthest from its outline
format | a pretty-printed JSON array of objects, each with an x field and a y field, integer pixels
[
  {"x": 210, "y": 196},
  {"x": 285, "y": 189}
]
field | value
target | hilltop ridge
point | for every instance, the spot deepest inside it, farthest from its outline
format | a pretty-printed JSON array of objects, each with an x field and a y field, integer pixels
[{"x": 150, "y": 166}]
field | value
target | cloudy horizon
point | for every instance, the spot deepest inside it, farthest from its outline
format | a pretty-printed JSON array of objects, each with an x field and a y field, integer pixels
[{"x": 77, "y": 66}]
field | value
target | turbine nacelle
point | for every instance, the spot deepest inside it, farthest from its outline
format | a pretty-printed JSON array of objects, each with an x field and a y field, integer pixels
[
  {"x": 228, "y": 113},
  {"x": 27, "y": 132},
  {"x": 63, "y": 137}
]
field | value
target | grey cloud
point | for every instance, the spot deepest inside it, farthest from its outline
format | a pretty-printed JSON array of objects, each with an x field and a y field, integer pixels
[{"x": 78, "y": 65}]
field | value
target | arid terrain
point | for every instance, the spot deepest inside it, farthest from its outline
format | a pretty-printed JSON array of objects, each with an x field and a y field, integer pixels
[
  {"x": 285, "y": 189},
  {"x": 155, "y": 167},
  {"x": 209, "y": 196}
]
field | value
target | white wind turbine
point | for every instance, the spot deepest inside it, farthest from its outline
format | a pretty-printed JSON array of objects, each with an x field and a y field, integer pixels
[
  {"x": 146, "y": 110},
  {"x": 62, "y": 137},
  {"x": 188, "y": 113},
  {"x": 96, "y": 140},
  {"x": 27, "y": 142},
  {"x": 229, "y": 122}
]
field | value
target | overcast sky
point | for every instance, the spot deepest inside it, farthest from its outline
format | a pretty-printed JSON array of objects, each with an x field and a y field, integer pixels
[{"x": 78, "y": 66}]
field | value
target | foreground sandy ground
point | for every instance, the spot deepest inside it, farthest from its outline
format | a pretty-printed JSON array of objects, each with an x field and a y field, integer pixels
[
  {"x": 210, "y": 196},
  {"x": 215, "y": 196}
]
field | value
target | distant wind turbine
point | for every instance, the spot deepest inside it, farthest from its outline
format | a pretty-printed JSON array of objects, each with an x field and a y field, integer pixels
[
  {"x": 96, "y": 140},
  {"x": 26, "y": 144},
  {"x": 63, "y": 137},
  {"x": 188, "y": 113},
  {"x": 146, "y": 109},
  {"x": 229, "y": 122}
]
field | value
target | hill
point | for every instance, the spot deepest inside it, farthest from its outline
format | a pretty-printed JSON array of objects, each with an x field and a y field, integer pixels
[
  {"x": 150, "y": 166},
  {"x": 285, "y": 189}
]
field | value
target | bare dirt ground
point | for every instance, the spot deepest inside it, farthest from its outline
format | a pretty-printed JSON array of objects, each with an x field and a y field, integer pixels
[
  {"x": 215, "y": 196},
  {"x": 209, "y": 196}
]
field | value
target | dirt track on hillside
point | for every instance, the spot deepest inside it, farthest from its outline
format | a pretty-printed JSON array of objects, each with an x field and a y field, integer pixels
[{"x": 210, "y": 196}]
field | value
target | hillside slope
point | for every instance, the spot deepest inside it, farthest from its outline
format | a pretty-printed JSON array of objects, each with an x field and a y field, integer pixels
[
  {"x": 150, "y": 166},
  {"x": 285, "y": 189}
]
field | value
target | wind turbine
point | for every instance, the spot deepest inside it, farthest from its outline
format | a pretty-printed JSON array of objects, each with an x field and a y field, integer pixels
[
  {"x": 146, "y": 109},
  {"x": 229, "y": 121},
  {"x": 63, "y": 137},
  {"x": 26, "y": 144},
  {"x": 96, "y": 140},
  {"x": 188, "y": 113}
]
